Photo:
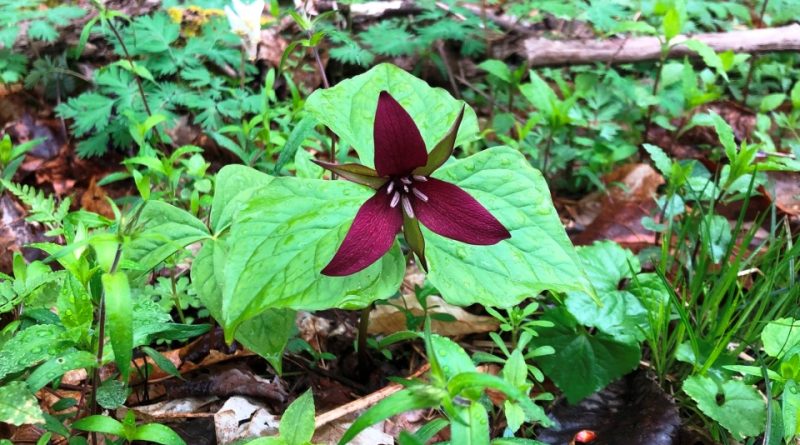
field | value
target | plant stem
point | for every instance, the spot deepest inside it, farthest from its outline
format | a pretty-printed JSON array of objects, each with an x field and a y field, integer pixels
[
  {"x": 363, "y": 326},
  {"x": 130, "y": 61},
  {"x": 546, "y": 155},
  {"x": 101, "y": 333},
  {"x": 746, "y": 89}
]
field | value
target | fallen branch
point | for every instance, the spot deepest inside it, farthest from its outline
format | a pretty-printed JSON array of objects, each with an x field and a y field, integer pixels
[{"x": 543, "y": 52}]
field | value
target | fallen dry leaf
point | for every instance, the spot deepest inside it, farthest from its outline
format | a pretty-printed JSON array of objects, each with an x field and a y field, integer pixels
[
  {"x": 787, "y": 191},
  {"x": 630, "y": 196},
  {"x": 94, "y": 199},
  {"x": 241, "y": 418}
]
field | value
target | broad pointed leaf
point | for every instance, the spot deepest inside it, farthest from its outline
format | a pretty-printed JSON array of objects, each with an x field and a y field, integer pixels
[
  {"x": 349, "y": 108},
  {"x": 537, "y": 257},
  {"x": 282, "y": 240}
]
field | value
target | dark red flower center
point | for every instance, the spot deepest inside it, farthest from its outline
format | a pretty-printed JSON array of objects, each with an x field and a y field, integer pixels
[{"x": 402, "y": 188}]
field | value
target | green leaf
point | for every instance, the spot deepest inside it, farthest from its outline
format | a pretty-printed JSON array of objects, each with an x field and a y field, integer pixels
[
  {"x": 771, "y": 102},
  {"x": 75, "y": 309},
  {"x": 735, "y": 405},
  {"x": 672, "y": 24},
  {"x": 725, "y": 134},
  {"x": 504, "y": 274},
  {"x": 476, "y": 429},
  {"x": 295, "y": 226},
  {"x": 709, "y": 56},
  {"x": 780, "y": 336},
  {"x": 399, "y": 402},
  {"x": 161, "y": 361},
  {"x": 349, "y": 108},
  {"x": 306, "y": 169},
  {"x": 790, "y": 401},
  {"x": 112, "y": 394},
  {"x": 297, "y": 422},
  {"x": 18, "y": 405},
  {"x": 119, "y": 319},
  {"x": 296, "y": 138},
  {"x": 539, "y": 93},
  {"x": 234, "y": 185},
  {"x": 100, "y": 424},
  {"x": 497, "y": 68},
  {"x": 451, "y": 357},
  {"x": 57, "y": 367},
  {"x": 619, "y": 314},
  {"x": 154, "y": 432},
  {"x": 30, "y": 347},
  {"x": 660, "y": 159},
  {"x": 163, "y": 230},
  {"x": 583, "y": 363},
  {"x": 795, "y": 96},
  {"x": 716, "y": 235},
  {"x": 267, "y": 334}
]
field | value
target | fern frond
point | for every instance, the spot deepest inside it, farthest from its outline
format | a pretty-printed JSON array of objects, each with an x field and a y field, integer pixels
[{"x": 41, "y": 208}]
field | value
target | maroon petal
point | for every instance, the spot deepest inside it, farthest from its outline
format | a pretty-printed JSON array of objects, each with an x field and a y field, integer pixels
[
  {"x": 371, "y": 235},
  {"x": 453, "y": 213},
  {"x": 399, "y": 147}
]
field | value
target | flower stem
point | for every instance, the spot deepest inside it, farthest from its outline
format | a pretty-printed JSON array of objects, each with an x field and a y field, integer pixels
[{"x": 130, "y": 61}]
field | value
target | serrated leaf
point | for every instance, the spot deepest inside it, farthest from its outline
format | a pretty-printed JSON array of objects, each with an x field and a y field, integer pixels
[
  {"x": 741, "y": 410},
  {"x": 295, "y": 226},
  {"x": 672, "y": 24},
  {"x": 583, "y": 363},
  {"x": 298, "y": 135},
  {"x": 348, "y": 108},
  {"x": 725, "y": 134},
  {"x": 42, "y": 30},
  {"x": 18, "y": 406},
  {"x": 660, "y": 159},
  {"x": 297, "y": 422},
  {"x": 504, "y": 274},
  {"x": 709, "y": 56},
  {"x": 119, "y": 319},
  {"x": 90, "y": 111}
]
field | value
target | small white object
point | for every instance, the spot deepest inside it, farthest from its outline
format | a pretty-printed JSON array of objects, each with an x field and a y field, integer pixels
[{"x": 245, "y": 20}]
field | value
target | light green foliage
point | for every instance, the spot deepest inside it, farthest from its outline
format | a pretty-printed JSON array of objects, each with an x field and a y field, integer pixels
[
  {"x": 736, "y": 405},
  {"x": 18, "y": 405},
  {"x": 119, "y": 319},
  {"x": 781, "y": 336},
  {"x": 348, "y": 108},
  {"x": 268, "y": 232},
  {"x": 503, "y": 274},
  {"x": 42, "y": 21},
  {"x": 128, "y": 430},
  {"x": 30, "y": 347}
]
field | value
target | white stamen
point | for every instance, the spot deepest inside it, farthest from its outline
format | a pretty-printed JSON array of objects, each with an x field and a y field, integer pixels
[
  {"x": 390, "y": 189},
  {"x": 420, "y": 178},
  {"x": 405, "y": 181},
  {"x": 395, "y": 200},
  {"x": 423, "y": 197},
  {"x": 407, "y": 207},
  {"x": 405, "y": 188}
]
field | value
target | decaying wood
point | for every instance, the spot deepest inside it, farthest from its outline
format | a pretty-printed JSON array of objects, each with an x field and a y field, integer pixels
[{"x": 546, "y": 52}]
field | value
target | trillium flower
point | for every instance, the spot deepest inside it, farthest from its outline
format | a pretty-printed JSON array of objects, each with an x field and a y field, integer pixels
[
  {"x": 406, "y": 195},
  {"x": 245, "y": 20}
]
